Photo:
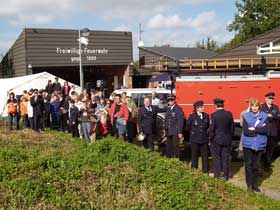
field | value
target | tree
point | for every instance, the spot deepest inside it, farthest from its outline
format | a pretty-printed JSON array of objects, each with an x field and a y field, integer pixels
[
  {"x": 164, "y": 45},
  {"x": 254, "y": 17},
  {"x": 208, "y": 44}
]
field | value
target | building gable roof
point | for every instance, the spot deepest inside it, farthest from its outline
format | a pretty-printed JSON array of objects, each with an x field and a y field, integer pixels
[
  {"x": 249, "y": 47},
  {"x": 177, "y": 53}
]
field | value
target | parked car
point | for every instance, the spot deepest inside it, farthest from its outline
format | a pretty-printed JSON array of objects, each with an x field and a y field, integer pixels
[{"x": 138, "y": 94}]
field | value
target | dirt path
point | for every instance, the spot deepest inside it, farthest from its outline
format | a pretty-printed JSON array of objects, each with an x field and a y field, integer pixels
[{"x": 274, "y": 194}]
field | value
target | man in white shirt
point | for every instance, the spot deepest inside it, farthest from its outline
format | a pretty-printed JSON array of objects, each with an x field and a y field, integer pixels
[{"x": 155, "y": 100}]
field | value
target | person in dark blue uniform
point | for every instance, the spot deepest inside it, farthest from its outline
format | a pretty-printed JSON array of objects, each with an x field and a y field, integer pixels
[
  {"x": 272, "y": 111},
  {"x": 198, "y": 124},
  {"x": 221, "y": 132},
  {"x": 147, "y": 122},
  {"x": 174, "y": 123}
]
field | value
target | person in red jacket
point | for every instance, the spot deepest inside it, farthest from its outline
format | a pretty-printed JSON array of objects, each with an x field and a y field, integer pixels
[
  {"x": 66, "y": 89},
  {"x": 119, "y": 115}
]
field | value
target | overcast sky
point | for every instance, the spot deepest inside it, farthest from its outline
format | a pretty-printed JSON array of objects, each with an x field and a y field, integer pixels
[{"x": 176, "y": 22}]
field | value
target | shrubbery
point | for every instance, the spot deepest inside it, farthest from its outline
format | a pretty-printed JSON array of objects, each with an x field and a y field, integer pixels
[{"x": 54, "y": 171}]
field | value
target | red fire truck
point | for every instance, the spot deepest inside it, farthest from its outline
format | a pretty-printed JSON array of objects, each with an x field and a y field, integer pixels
[{"x": 235, "y": 88}]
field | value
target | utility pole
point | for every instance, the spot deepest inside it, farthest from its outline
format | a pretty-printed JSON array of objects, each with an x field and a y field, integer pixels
[
  {"x": 140, "y": 42},
  {"x": 140, "y": 32}
]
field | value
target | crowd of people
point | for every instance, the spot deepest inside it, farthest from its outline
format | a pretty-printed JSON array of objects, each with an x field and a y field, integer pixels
[{"x": 91, "y": 116}]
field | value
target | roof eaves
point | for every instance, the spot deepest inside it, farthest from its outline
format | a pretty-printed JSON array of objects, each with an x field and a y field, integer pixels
[
  {"x": 144, "y": 48},
  {"x": 256, "y": 37}
]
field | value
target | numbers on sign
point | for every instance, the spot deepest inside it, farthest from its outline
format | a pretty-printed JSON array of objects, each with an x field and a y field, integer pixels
[{"x": 91, "y": 58}]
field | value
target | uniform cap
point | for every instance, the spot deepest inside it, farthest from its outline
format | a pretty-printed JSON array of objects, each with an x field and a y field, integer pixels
[
  {"x": 128, "y": 95},
  {"x": 198, "y": 104},
  {"x": 171, "y": 97},
  {"x": 270, "y": 95},
  {"x": 218, "y": 101}
]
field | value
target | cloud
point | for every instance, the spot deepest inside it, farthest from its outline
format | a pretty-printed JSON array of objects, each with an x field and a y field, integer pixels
[
  {"x": 22, "y": 12},
  {"x": 163, "y": 22},
  {"x": 206, "y": 22},
  {"x": 159, "y": 19},
  {"x": 19, "y": 12},
  {"x": 122, "y": 27},
  {"x": 180, "y": 32},
  {"x": 124, "y": 9}
]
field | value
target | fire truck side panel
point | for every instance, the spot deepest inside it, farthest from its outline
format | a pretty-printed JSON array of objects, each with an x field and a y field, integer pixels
[{"x": 235, "y": 93}]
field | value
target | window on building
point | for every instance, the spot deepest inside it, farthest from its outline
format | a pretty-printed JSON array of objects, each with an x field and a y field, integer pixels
[{"x": 269, "y": 48}]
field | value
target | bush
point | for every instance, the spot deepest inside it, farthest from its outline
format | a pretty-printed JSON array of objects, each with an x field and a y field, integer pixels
[{"x": 55, "y": 171}]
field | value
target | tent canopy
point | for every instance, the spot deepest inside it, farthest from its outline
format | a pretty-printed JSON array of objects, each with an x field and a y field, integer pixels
[{"x": 18, "y": 84}]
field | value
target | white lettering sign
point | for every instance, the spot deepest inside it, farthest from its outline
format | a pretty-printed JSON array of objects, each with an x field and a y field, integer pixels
[{"x": 90, "y": 53}]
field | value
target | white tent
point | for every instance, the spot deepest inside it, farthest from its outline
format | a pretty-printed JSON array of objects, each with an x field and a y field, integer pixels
[{"x": 18, "y": 84}]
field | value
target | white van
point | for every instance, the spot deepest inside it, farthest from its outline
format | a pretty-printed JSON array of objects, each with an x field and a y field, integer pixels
[{"x": 138, "y": 94}]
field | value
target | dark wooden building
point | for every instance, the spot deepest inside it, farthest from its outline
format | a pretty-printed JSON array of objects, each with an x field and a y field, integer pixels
[
  {"x": 151, "y": 60},
  {"x": 153, "y": 55},
  {"x": 106, "y": 57}
]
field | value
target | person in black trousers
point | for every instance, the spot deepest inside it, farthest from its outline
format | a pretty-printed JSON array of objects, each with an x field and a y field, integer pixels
[
  {"x": 64, "y": 115},
  {"x": 272, "y": 112},
  {"x": 198, "y": 124},
  {"x": 221, "y": 132},
  {"x": 37, "y": 103},
  {"x": 174, "y": 123},
  {"x": 73, "y": 118},
  {"x": 46, "y": 114},
  {"x": 147, "y": 122},
  {"x": 254, "y": 140}
]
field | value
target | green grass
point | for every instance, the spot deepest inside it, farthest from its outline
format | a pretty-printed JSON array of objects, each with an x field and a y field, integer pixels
[{"x": 54, "y": 171}]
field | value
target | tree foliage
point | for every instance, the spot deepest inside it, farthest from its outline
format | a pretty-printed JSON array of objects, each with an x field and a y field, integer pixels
[
  {"x": 208, "y": 44},
  {"x": 254, "y": 17},
  {"x": 163, "y": 45}
]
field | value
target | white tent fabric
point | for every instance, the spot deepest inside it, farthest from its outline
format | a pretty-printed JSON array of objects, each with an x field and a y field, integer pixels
[{"x": 18, "y": 84}]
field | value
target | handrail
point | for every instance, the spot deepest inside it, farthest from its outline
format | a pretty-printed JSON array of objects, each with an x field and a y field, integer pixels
[{"x": 219, "y": 63}]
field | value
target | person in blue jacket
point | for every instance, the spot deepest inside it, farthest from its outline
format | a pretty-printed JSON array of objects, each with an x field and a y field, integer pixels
[{"x": 254, "y": 141}]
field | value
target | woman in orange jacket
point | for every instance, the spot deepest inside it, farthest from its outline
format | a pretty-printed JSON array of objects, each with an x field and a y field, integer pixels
[
  {"x": 23, "y": 111},
  {"x": 12, "y": 111}
]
